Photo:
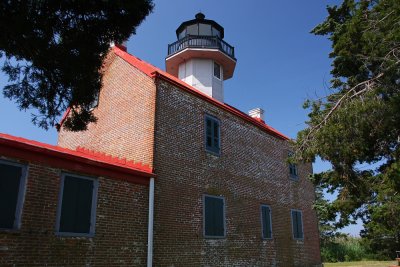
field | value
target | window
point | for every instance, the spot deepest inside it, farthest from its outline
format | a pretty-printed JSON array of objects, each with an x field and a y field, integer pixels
[
  {"x": 212, "y": 135},
  {"x": 12, "y": 191},
  {"x": 77, "y": 206},
  {"x": 204, "y": 29},
  {"x": 293, "y": 173},
  {"x": 297, "y": 224},
  {"x": 214, "y": 216},
  {"x": 266, "y": 222},
  {"x": 217, "y": 70}
]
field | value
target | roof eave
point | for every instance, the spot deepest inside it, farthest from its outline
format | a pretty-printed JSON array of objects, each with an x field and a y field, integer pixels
[{"x": 71, "y": 162}]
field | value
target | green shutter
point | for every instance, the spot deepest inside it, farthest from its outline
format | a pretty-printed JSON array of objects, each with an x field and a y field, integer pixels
[
  {"x": 209, "y": 136},
  {"x": 212, "y": 134},
  {"x": 297, "y": 224},
  {"x": 219, "y": 217},
  {"x": 76, "y": 207},
  {"x": 294, "y": 224},
  {"x": 216, "y": 135},
  {"x": 10, "y": 178},
  {"x": 266, "y": 221},
  {"x": 293, "y": 170},
  {"x": 214, "y": 222}
]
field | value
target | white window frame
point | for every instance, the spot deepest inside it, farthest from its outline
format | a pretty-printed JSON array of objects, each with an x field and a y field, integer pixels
[
  {"x": 93, "y": 209},
  {"x": 21, "y": 194}
]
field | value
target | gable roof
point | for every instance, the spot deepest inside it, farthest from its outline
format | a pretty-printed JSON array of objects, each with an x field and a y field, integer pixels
[
  {"x": 155, "y": 72},
  {"x": 80, "y": 160}
]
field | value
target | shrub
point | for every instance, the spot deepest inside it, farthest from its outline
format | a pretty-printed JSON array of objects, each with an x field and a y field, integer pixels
[{"x": 343, "y": 249}]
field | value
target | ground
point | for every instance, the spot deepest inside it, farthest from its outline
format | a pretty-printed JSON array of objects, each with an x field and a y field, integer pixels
[{"x": 362, "y": 264}]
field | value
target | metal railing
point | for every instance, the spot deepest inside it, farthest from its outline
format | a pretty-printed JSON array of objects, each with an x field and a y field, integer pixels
[{"x": 201, "y": 41}]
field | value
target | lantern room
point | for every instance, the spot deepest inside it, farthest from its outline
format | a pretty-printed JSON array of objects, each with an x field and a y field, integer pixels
[{"x": 201, "y": 57}]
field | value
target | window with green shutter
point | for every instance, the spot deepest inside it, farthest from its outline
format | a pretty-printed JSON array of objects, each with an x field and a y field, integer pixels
[
  {"x": 12, "y": 189},
  {"x": 297, "y": 224},
  {"x": 213, "y": 216},
  {"x": 77, "y": 205},
  {"x": 266, "y": 222},
  {"x": 293, "y": 173},
  {"x": 212, "y": 134}
]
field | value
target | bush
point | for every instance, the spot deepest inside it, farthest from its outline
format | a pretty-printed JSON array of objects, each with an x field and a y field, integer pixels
[{"x": 343, "y": 249}]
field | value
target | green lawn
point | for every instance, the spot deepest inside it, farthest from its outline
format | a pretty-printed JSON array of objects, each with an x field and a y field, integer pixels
[{"x": 361, "y": 264}]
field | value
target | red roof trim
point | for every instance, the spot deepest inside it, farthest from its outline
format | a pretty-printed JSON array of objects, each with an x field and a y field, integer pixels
[
  {"x": 65, "y": 115},
  {"x": 143, "y": 66},
  {"x": 153, "y": 71},
  {"x": 82, "y": 160}
]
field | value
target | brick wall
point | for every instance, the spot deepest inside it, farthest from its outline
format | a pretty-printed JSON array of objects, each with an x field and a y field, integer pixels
[
  {"x": 125, "y": 126},
  {"x": 121, "y": 226},
  {"x": 251, "y": 170}
]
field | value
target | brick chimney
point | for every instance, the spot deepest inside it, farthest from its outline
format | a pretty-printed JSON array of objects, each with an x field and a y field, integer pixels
[{"x": 257, "y": 113}]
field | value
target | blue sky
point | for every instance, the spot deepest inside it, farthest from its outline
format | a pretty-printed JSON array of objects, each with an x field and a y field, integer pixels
[{"x": 279, "y": 63}]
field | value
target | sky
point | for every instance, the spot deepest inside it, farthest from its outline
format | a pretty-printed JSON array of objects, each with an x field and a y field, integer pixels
[{"x": 279, "y": 63}]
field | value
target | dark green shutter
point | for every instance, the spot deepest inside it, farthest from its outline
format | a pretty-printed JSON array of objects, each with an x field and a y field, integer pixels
[
  {"x": 297, "y": 224},
  {"x": 212, "y": 134},
  {"x": 219, "y": 217},
  {"x": 293, "y": 170},
  {"x": 216, "y": 136},
  {"x": 76, "y": 208},
  {"x": 208, "y": 217},
  {"x": 10, "y": 178},
  {"x": 214, "y": 216},
  {"x": 209, "y": 136},
  {"x": 266, "y": 221},
  {"x": 294, "y": 224}
]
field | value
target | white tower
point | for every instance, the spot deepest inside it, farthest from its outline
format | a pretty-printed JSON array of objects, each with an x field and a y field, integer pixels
[{"x": 201, "y": 57}]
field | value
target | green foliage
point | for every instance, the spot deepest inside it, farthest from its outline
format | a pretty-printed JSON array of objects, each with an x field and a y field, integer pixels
[
  {"x": 54, "y": 52},
  {"x": 358, "y": 123},
  {"x": 344, "y": 249}
]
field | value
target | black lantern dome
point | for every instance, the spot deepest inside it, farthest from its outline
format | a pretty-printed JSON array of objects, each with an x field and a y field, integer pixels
[
  {"x": 200, "y": 26},
  {"x": 200, "y": 38}
]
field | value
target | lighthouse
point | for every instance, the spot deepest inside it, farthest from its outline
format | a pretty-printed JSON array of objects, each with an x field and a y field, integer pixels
[{"x": 200, "y": 57}]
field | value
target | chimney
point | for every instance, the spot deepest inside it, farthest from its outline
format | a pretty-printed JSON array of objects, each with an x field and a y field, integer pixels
[
  {"x": 257, "y": 113},
  {"x": 122, "y": 46}
]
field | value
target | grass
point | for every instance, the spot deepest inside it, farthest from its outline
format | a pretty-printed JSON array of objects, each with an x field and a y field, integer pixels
[{"x": 361, "y": 264}]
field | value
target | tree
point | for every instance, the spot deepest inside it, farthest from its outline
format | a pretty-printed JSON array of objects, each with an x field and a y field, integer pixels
[
  {"x": 54, "y": 52},
  {"x": 357, "y": 126}
]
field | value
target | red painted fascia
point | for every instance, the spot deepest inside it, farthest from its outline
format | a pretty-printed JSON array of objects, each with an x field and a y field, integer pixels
[
  {"x": 53, "y": 156},
  {"x": 64, "y": 116},
  {"x": 143, "y": 66}
]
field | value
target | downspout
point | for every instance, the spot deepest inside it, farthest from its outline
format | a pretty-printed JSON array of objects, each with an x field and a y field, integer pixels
[{"x": 150, "y": 224}]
